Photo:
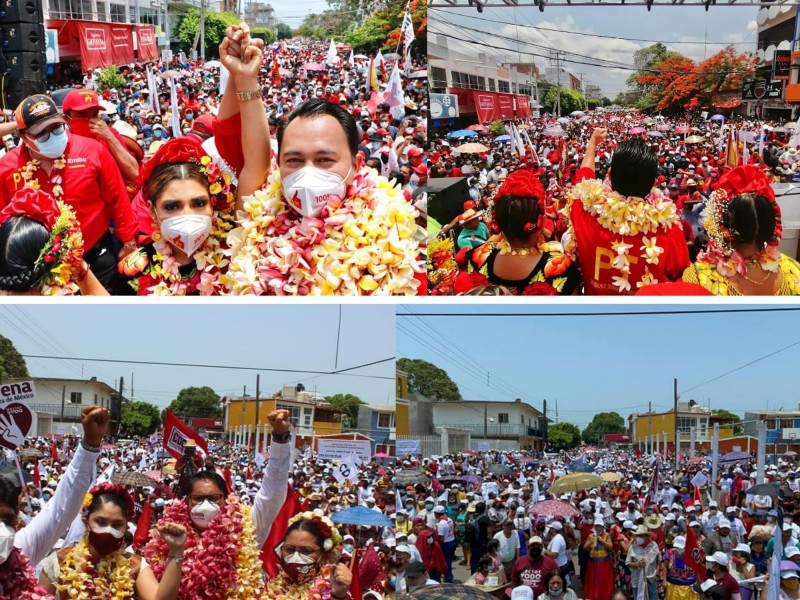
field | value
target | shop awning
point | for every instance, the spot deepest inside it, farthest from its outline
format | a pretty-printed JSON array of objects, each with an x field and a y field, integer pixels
[
  {"x": 490, "y": 106},
  {"x": 99, "y": 45}
]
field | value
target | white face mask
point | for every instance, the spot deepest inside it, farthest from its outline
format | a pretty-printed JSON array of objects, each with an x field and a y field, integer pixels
[
  {"x": 204, "y": 513},
  {"x": 640, "y": 540},
  {"x": 54, "y": 146},
  {"x": 6, "y": 542},
  {"x": 186, "y": 232},
  {"x": 308, "y": 190}
]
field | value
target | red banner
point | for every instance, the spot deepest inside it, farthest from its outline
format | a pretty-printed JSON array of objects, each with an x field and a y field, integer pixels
[
  {"x": 490, "y": 106},
  {"x": 95, "y": 41},
  {"x": 693, "y": 555},
  {"x": 147, "y": 48},
  {"x": 122, "y": 44},
  {"x": 177, "y": 433}
]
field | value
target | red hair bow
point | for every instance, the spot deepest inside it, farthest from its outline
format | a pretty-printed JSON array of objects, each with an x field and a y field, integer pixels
[
  {"x": 32, "y": 204},
  {"x": 747, "y": 179},
  {"x": 180, "y": 150},
  {"x": 522, "y": 184}
]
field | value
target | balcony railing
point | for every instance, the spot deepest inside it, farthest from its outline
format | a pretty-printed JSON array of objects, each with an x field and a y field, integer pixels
[
  {"x": 71, "y": 411},
  {"x": 495, "y": 430}
]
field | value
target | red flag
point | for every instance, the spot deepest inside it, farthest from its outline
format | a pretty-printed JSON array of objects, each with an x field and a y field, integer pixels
[
  {"x": 143, "y": 526},
  {"x": 697, "y": 495},
  {"x": 226, "y": 474},
  {"x": 355, "y": 582},
  {"x": 436, "y": 486},
  {"x": 177, "y": 433},
  {"x": 693, "y": 555},
  {"x": 54, "y": 452},
  {"x": 37, "y": 479},
  {"x": 290, "y": 508}
]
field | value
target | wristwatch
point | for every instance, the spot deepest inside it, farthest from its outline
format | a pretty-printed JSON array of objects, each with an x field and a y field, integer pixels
[
  {"x": 282, "y": 438},
  {"x": 249, "y": 95}
]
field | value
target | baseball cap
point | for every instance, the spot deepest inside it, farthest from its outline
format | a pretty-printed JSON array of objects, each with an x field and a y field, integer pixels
[
  {"x": 81, "y": 100},
  {"x": 745, "y": 549},
  {"x": 679, "y": 542},
  {"x": 791, "y": 551},
  {"x": 718, "y": 557},
  {"x": 35, "y": 113},
  {"x": 204, "y": 124},
  {"x": 535, "y": 540},
  {"x": 522, "y": 592},
  {"x": 556, "y": 525}
]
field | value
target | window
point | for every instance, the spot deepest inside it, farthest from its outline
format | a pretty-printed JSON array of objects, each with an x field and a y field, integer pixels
[
  {"x": 771, "y": 424},
  {"x": 522, "y": 419},
  {"x": 491, "y": 84},
  {"x": 502, "y": 86},
  {"x": 787, "y": 423},
  {"x": 75, "y": 397},
  {"x": 385, "y": 420},
  {"x": 502, "y": 418},
  {"x": 438, "y": 78},
  {"x": 294, "y": 412},
  {"x": 307, "y": 416},
  {"x": 117, "y": 13}
]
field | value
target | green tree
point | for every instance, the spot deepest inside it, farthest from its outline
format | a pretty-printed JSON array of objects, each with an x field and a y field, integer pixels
[
  {"x": 264, "y": 33},
  {"x": 140, "y": 418},
  {"x": 602, "y": 423},
  {"x": 429, "y": 380},
  {"x": 382, "y": 28},
  {"x": 563, "y": 436},
  {"x": 326, "y": 25},
  {"x": 731, "y": 419},
  {"x": 196, "y": 402},
  {"x": 216, "y": 24},
  {"x": 110, "y": 79},
  {"x": 11, "y": 362},
  {"x": 570, "y": 100},
  {"x": 348, "y": 403},
  {"x": 593, "y": 103},
  {"x": 284, "y": 31},
  {"x": 496, "y": 128}
]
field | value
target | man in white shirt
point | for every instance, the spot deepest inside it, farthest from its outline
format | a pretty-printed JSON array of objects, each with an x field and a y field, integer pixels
[
  {"x": 557, "y": 548},
  {"x": 709, "y": 518},
  {"x": 447, "y": 538},
  {"x": 508, "y": 539}
]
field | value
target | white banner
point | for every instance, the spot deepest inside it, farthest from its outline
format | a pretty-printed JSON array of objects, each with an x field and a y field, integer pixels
[
  {"x": 336, "y": 449},
  {"x": 699, "y": 480},
  {"x": 404, "y": 447},
  {"x": 347, "y": 469},
  {"x": 16, "y": 417}
]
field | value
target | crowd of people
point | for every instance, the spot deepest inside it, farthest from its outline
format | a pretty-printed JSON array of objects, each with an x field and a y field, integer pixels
[
  {"x": 221, "y": 526},
  {"x": 273, "y": 171},
  {"x": 638, "y": 526},
  {"x": 614, "y": 203}
]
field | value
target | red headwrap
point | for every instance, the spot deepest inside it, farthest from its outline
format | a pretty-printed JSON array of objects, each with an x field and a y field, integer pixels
[
  {"x": 180, "y": 150},
  {"x": 747, "y": 179},
  {"x": 32, "y": 204},
  {"x": 525, "y": 184},
  {"x": 118, "y": 490}
]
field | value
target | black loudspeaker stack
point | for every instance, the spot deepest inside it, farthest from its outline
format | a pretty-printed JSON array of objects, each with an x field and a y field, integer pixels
[{"x": 23, "y": 62}]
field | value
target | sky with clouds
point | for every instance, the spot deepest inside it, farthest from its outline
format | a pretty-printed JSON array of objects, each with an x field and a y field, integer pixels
[{"x": 689, "y": 30}]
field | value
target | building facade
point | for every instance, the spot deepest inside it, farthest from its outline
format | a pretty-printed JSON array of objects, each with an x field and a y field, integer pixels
[
  {"x": 651, "y": 428},
  {"x": 378, "y": 423},
  {"x": 310, "y": 414},
  {"x": 401, "y": 402},
  {"x": 58, "y": 404},
  {"x": 782, "y": 426}
]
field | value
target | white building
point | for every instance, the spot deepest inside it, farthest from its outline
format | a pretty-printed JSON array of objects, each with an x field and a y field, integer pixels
[
  {"x": 503, "y": 425},
  {"x": 59, "y": 402}
]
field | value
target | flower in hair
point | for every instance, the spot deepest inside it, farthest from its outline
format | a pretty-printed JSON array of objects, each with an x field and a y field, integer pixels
[{"x": 32, "y": 204}]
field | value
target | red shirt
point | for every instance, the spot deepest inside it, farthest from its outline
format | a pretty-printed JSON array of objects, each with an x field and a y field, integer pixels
[
  {"x": 532, "y": 574},
  {"x": 596, "y": 254},
  {"x": 92, "y": 183}
]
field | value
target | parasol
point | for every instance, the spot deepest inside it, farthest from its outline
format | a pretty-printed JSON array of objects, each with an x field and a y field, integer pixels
[
  {"x": 473, "y": 478},
  {"x": 133, "y": 478},
  {"x": 610, "y": 476},
  {"x": 29, "y": 454},
  {"x": 502, "y": 138},
  {"x": 313, "y": 67},
  {"x": 656, "y": 134},
  {"x": 563, "y": 120},
  {"x": 790, "y": 453},
  {"x": 577, "y": 113},
  {"x": 716, "y": 118},
  {"x": 411, "y": 477},
  {"x": 448, "y": 591},
  {"x": 477, "y": 127},
  {"x": 213, "y": 64},
  {"x": 636, "y": 130},
  {"x": 361, "y": 56},
  {"x": 737, "y": 456},
  {"x": 662, "y": 127},
  {"x": 462, "y": 133},
  {"x": 555, "y": 508},
  {"x": 170, "y": 73},
  {"x": 694, "y": 139},
  {"x": 422, "y": 74},
  {"x": 501, "y": 470},
  {"x": 361, "y": 515},
  {"x": 555, "y": 132},
  {"x": 764, "y": 489},
  {"x": 575, "y": 482},
  {"x": 682, "y": 130},
  {"x": 472, "y": 148},
  {"x": 391, "y": 56},
  {"x": 381, "y": 455},
  {"x": 580, "y": 467}
]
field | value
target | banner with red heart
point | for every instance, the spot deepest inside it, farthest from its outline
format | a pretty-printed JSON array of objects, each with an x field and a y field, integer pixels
[{"x": 16, "y": 417}]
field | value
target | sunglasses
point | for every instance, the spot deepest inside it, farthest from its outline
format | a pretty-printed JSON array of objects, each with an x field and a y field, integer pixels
[{"x": 56, "y": 129}]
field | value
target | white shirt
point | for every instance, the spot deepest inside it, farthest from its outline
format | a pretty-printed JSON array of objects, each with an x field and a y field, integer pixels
[
  {"x": 445, "y": 529},
  {"x": 559, "y": 546},
  {"x": 508, "y": 545}
]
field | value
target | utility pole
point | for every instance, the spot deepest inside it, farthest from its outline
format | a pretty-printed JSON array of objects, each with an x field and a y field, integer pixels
[
  {"x": 675, "y": 411},
  {"x": 244, "y": 400},
  {"x": 558, "y": 86},
  {"x": 650, "y": 425},
  {"x": 258, "y": 407}
]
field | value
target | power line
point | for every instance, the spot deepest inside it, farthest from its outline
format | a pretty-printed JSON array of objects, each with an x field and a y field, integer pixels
[
  {"x": 229, "y": 367},
  {"x": 739, "y": 368},
  {"x": 633, "y": 313}
]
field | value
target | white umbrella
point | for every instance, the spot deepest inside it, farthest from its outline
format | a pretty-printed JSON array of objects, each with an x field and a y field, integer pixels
[{"x": 213, "y": 64}]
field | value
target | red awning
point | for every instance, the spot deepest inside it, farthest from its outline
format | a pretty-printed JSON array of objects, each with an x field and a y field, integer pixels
[
  {"x": 490, "y": 106},
  {"x": 96, "y": 44}
]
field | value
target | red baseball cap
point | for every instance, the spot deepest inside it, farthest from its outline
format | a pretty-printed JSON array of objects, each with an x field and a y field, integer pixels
[
  {"x": 414, "y": 152},
  {"x": 204, "y": 124},
  {"x": 81, "y": 100},
  {"x": 421, "y": 170}
]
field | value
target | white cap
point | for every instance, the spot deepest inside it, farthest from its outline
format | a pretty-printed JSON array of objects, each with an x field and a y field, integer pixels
[
  {"x": 556, "y": 525},
  {"x": 791, "y": 551},
  {"x": 787, "y": 527},
  {"x": 628, "y": 525},
  {"x": 723, "y": 523},
  {"x": 679, "y": 542},
  {"x": 694, "y": 524},
  {"x": 535, "y": 540},
  {"x": 718, "y": 557},
  {"x": 746, "y": 549},
  {"x": 712, "y": 504},
  {"x": 730, "y": 509},
  {"x": 599, "y": 521},
  {"x": 522, "y": 592},
  {"x": 438, "y": 509},
  {"x": 669, "y": 517}
]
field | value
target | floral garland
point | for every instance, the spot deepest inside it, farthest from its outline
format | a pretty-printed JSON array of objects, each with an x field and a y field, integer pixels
[
  {"x": 163, "y": 277},
  {"x": 727, "y": 261},
  {"x": 282, "y": 588},
  {"x": 28, "y": 173},
  {"x": 333, "y": 539},
  {"x": 626, "y": 217},
  {"x": 362, "y": 245},
  {"x": 83, "y": 579},
  {"x": 221, "y": 562},
  {"x": 18, "y": 580}
]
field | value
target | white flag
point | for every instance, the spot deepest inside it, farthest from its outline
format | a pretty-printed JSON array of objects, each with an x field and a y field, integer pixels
[
  {"x": 394, "y": 94},
  {"x": 535, "y": 494},
  {"x": 175, "y": 118},
  {"x": 346, "y": 470},
  {"x": 352, "y": 60},
  {"x": 522, "y": 480},
  {"x": 331, "y": 57}
]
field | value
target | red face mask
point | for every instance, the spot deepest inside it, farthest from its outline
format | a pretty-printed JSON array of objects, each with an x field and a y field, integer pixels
[
  {"x": 105, "y": 540},
  {"x": 80, "y": 127}
]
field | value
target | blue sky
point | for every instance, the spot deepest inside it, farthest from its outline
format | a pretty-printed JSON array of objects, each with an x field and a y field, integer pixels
[
  {"x": 673, "y": 25},
  {"x": 592, "y": 364},
  {"x": 274, "y": 336}
]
